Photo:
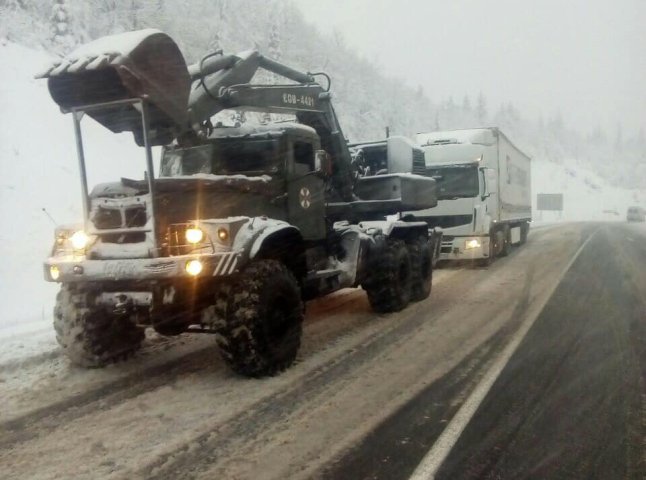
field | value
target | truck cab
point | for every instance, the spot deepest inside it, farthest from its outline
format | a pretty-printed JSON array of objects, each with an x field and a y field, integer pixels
[
  {"x": 483, "y": 190},
  {"x": 464, "y": 189},
  {"x": 287, "y": 159}
]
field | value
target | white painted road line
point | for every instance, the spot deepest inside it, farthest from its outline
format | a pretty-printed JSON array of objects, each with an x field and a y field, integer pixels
[{"x": 430, "y": 464}]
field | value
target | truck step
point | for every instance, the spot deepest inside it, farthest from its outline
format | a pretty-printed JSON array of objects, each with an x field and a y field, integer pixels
[{"x": 321, "y": 274}]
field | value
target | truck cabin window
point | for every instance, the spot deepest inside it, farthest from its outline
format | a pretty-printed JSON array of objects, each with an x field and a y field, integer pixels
[
  {"x": 455, "y": 181},
  {"x": 303, "y": 158},
  {"x": 226, "y": 157}
]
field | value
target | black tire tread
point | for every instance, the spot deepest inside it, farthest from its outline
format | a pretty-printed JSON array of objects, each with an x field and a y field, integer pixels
[
  {"x": 385, "y": 293},
  {"x": 421, "y": 281},
  {"x": 241, "y": 335},
  {"x": 90, "y": 336}
]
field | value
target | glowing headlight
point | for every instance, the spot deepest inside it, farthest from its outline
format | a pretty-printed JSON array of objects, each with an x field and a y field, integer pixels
[
  {"x": 54, "y": 272},
  {"x": 79, "y": 240},
  {"x": 473, "y": 243},
  {"x": 194, "y": 235},
  {"x": 223, "y": 234},
  {"x": 194, "y": 267}
]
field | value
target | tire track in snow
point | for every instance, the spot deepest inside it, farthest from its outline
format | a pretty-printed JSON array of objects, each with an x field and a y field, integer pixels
[
  {"x": 50, "y": 417},
  {"x": 208, "y": 446}
]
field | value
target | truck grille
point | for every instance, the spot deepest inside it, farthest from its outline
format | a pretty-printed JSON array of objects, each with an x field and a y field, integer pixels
[
  {"x": 447, "y": 244},
  {"x": 448, "y": 221},
  {"x": 110, "y": 218},
  {"x": 419, "y": 163}
]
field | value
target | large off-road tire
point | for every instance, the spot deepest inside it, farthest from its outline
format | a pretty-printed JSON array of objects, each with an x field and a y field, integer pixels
[
  {"x": 389, "y": 279},
  {"x": 421, "y": 261},
  {"x": 90, "y": 335},
  {"x": 261, "y": 331}
]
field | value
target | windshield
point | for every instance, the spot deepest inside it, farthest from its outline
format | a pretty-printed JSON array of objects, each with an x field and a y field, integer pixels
[
  {"x": 456, "y": 181},
  {"x": 225, "y": 157}
]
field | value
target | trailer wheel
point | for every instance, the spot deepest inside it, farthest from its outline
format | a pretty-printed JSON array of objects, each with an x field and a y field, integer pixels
[
  {"x": 505, "y": 241},
  {"x": 90, "y": 335},
  {"x": 389, "y": 283},
  {"x": 421, "y": 268},
  {"x": 262, "y": 330},
  {"x": 524, "y": 231}
]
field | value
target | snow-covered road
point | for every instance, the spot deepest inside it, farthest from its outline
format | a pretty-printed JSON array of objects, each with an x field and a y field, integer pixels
[{"x": 176, "y": 411}]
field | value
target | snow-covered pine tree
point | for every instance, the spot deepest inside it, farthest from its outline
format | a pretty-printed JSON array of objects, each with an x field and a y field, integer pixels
[
  {"x": 62, "y": 39},
  {"x": 481, "y": 109}
]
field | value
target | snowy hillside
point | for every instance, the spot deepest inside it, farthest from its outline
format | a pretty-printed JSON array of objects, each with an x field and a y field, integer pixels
[
  {"x": 39, "y": 170},
  {"x": 586, "y": 196}
]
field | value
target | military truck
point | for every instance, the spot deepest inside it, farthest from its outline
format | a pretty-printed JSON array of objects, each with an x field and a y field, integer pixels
[{"x": 240, "y": 226}]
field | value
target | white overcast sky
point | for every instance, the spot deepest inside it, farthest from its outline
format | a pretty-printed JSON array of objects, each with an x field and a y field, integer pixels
[{"x": 584, "y": 58}]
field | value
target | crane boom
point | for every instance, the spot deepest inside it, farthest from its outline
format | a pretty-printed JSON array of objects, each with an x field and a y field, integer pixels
[{"x": 148, "y": 64}]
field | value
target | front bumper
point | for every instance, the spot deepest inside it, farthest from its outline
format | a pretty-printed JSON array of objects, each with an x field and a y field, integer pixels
[
  {"x": 455, "y": 248},
  {"x": 79, "y": 269}
]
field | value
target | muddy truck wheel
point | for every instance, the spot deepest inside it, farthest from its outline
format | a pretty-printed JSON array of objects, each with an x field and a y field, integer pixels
[
  {"x": 389, "y": 280},
  {"x": 263, "y": 323},
  {"x": 90, "y": 335},
  {"x": 506, "y": 241},
  {"x": 421, "y": 260}
]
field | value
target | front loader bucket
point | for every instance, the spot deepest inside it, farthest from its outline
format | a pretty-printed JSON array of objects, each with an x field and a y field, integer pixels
[{"x": 144, "y": 64}]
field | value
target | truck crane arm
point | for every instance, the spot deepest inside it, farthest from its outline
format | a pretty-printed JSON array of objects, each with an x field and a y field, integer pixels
[{"x": 148, "y": 64}]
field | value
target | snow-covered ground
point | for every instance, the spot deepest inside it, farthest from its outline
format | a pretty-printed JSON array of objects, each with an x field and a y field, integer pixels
[
  {"x": 39, "y": 170},
  {"x": 586, "y": 196}
]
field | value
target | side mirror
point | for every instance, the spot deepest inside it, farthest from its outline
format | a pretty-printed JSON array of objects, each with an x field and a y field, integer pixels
[
  {"x": 489, "y": 182},
  {"x": 322, "y": 163}
]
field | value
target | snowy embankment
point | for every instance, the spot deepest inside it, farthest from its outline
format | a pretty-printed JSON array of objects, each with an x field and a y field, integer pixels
[
  {"x": 586, "y": 196},
  {"x": 39, "y": 170}
]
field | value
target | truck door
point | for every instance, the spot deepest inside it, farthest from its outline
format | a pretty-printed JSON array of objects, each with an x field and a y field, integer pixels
[{"x": 306, "y": 194}]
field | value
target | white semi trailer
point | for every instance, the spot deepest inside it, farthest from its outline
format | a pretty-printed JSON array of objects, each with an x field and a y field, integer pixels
[{"x": 483, "y": 189}]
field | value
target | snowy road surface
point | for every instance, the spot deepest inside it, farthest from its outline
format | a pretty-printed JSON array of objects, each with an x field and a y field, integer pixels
[{"x": 370, "y": 394}]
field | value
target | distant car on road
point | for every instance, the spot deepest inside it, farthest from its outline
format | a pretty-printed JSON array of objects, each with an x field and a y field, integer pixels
[{"x": 636, "y": 214}]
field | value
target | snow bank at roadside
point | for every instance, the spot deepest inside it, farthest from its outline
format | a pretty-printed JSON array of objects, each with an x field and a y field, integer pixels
[
  {"x": 586, "y": 196},
  {"x": 39, "y": 170}
]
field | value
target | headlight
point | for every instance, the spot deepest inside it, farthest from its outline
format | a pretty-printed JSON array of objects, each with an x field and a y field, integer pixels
[
  {"x": 471, "y": 244},
  {"x": 54, "y": 272},
  {"x": 194, "y": 267},
  {"x": 194, "y": 235},
  {"x": 223, "y": 234},
  {"x": 79, "y": 240}
]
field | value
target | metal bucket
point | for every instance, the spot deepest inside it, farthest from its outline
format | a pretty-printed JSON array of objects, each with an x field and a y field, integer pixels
[{"x": 143, "y": 64}]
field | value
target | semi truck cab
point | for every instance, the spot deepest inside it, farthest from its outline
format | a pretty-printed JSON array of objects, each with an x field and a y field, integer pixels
[{"x": 483, "y": 190}]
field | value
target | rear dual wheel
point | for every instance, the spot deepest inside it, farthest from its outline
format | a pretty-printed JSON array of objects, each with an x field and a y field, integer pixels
[
  {"x": 389, "y": 281},
  {"x": 421, "y": 268}
]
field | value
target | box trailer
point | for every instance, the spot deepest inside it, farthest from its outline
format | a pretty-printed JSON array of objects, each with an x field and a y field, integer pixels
[{"x": 483, "y": 189}]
